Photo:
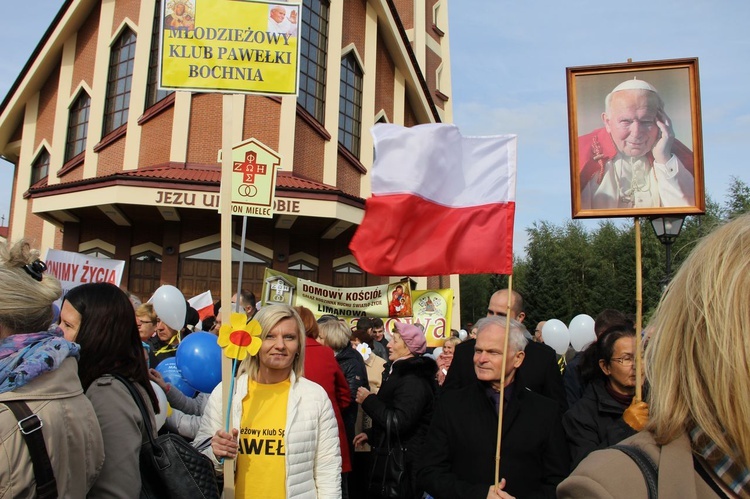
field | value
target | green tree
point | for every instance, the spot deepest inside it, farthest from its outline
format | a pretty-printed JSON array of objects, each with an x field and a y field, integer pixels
[
  {"x": 739, "y": 198},
  {"x": 475, "y": 294}
]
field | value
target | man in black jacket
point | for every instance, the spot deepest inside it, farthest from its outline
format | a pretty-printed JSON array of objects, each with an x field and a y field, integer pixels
[
  {"x": 539, "y": 371},
  {"x": 458, "y": 460}
]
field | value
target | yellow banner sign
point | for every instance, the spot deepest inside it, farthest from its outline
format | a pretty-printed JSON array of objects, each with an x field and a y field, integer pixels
[
  {"x": 394, "y": 302},
  {"x": 233, "y": 46}
]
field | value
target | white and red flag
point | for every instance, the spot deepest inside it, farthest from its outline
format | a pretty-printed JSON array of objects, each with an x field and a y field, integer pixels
[
  {"x": 203, "y": 303},
  {"x": 441, "y": 203}
]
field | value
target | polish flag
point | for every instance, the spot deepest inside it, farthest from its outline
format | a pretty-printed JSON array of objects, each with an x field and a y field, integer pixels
[
  {"x": 441, "y": 203},
  {"x": 203, "y": 303}
]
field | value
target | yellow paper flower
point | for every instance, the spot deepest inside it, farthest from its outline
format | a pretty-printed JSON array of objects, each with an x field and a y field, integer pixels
[{"x": 239, "y": 339}]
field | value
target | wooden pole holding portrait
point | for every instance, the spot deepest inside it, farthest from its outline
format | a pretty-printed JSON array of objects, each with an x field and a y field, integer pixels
[{"x": 638, "y": 311}]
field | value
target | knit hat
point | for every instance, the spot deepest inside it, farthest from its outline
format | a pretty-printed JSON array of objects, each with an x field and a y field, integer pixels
[{"x": 413, "y": 337}]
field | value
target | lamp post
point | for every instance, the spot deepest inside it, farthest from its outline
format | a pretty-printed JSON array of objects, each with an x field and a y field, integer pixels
[{"x": 667, "y": 229}]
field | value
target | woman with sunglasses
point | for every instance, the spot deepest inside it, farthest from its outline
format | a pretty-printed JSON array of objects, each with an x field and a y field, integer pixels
[{"x": 607, "y": 412}]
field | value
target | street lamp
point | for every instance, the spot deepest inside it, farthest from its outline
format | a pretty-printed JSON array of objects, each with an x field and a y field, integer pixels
[{"x": 667, "y": 229}]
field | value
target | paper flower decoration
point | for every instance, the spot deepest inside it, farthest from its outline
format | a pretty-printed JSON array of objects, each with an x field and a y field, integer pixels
[
  {"x": 239, "y": 339},
  {"x": 364, "y": 349}
]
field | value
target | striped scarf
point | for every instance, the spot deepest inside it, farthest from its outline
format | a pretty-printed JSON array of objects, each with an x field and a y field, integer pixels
[{"x": 732, "y": 474}]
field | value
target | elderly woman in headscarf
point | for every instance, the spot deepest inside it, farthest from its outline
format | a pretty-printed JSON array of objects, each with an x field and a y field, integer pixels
[
  {"x": 407, "y": 392},
  {"x": 698, "y": 433},
  {"x": 39, "y": 368}
]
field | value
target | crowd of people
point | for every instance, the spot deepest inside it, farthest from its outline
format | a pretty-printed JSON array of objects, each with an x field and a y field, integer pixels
[{"x": 324, "y": 410}]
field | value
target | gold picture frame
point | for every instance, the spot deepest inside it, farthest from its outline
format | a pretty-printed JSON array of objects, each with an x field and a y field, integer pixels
[{"x": 624, "y": 121}]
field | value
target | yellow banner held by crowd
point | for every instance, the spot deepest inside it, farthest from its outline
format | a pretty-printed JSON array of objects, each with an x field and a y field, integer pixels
[
  {"x": 230, "y": 46},
  {"x": 393, "y": 302}
]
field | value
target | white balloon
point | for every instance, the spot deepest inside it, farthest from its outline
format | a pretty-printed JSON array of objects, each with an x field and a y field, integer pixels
[
  {"x": 582, "y": 332},
  {"x": 169, "y": 305},
  {"x": 161, "y": 418},
  {"x": 556, "y": 335}
]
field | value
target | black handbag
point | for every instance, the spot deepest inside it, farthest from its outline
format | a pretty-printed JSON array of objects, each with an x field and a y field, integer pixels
[
  {"x": 171, "y": 467},
  {"x": 390, "y": 476}
]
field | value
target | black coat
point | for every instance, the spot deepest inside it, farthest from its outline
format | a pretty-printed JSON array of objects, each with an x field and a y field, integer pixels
[
  {"x": 595, "y": 422},
  {"x": 539, "y": 371},
  {"x": 409, "y": 393},
  {"x": 355, "y": 372},
  {"x": 459, "y": 455},
  {"x": 572, "y": 381}
]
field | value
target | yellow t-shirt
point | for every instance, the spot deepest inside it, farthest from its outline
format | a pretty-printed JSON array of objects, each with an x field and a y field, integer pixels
[{"x": 261, "y": 470}]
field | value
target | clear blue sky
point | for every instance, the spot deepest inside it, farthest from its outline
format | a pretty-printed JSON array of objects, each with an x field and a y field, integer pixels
[{"x": 508, "y": 70}]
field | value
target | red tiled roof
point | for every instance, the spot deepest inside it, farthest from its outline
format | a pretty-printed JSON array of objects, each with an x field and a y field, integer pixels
[
  {"x": 187, "y": 174},
  {"x": 285, "y": 180},
  {"x": 4, "y": 232}
]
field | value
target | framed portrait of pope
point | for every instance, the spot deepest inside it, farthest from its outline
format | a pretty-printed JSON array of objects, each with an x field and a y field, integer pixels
[{"x": 636, "y": 147}]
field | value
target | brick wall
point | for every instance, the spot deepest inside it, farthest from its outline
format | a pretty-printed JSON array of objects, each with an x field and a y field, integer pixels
[
  {"x": 347, "y": 177},
  {"x": 204, "y": 139},
  {"x": 262, "y": 120},
  {"x": 86, "y": 50},
  {"x": 33, "y": 230},
  {"x": 406, "y": 12},
  {"x": 355, "y": 14},
  {"x": 156, "y": 139},
  {"x": 125, "y": 9},
  {"x": 308, "y": 152},
  {"x": 384, "y": 77},
  {"x": 111, "y": 158},
  {"x": 46, "y": 117}
]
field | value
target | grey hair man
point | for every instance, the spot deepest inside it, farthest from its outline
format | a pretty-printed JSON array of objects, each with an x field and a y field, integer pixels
[
  {"x": 458, "y": 458},
  {"x": 539, "y": 371}
]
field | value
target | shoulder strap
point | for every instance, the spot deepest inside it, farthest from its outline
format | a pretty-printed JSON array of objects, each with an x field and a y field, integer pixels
[
  {"x": 30, "y": 425},
  {"x": 140, "y": 403},
  {"x": 646, "y": 465}
]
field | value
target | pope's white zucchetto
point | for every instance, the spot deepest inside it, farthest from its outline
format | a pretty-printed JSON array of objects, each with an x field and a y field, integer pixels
[{"x": 634, "y": 85}]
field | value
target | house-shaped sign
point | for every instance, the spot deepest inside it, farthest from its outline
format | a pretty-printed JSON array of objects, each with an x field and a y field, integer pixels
[
  {"x": 254, "y": 167},
  {"x": 277, "y": 290}
]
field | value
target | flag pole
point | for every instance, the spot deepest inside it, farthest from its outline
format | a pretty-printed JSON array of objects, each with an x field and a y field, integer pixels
[
  {"x": 638, "y": 311},
  {"x": 502, "y": 381}
]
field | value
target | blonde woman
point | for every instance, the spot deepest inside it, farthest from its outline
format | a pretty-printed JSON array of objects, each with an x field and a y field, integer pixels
[
  {"x": 40, "y": 368},
  {"x": 146, "y": 319},
  {"x": 289, "y": 444},
  {"x": 697, "y": 364}
]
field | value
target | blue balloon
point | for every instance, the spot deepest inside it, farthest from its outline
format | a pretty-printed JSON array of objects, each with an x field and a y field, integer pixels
[
  {"x": 172, "y": 375},
  {"x": 199, "y": 360}
]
